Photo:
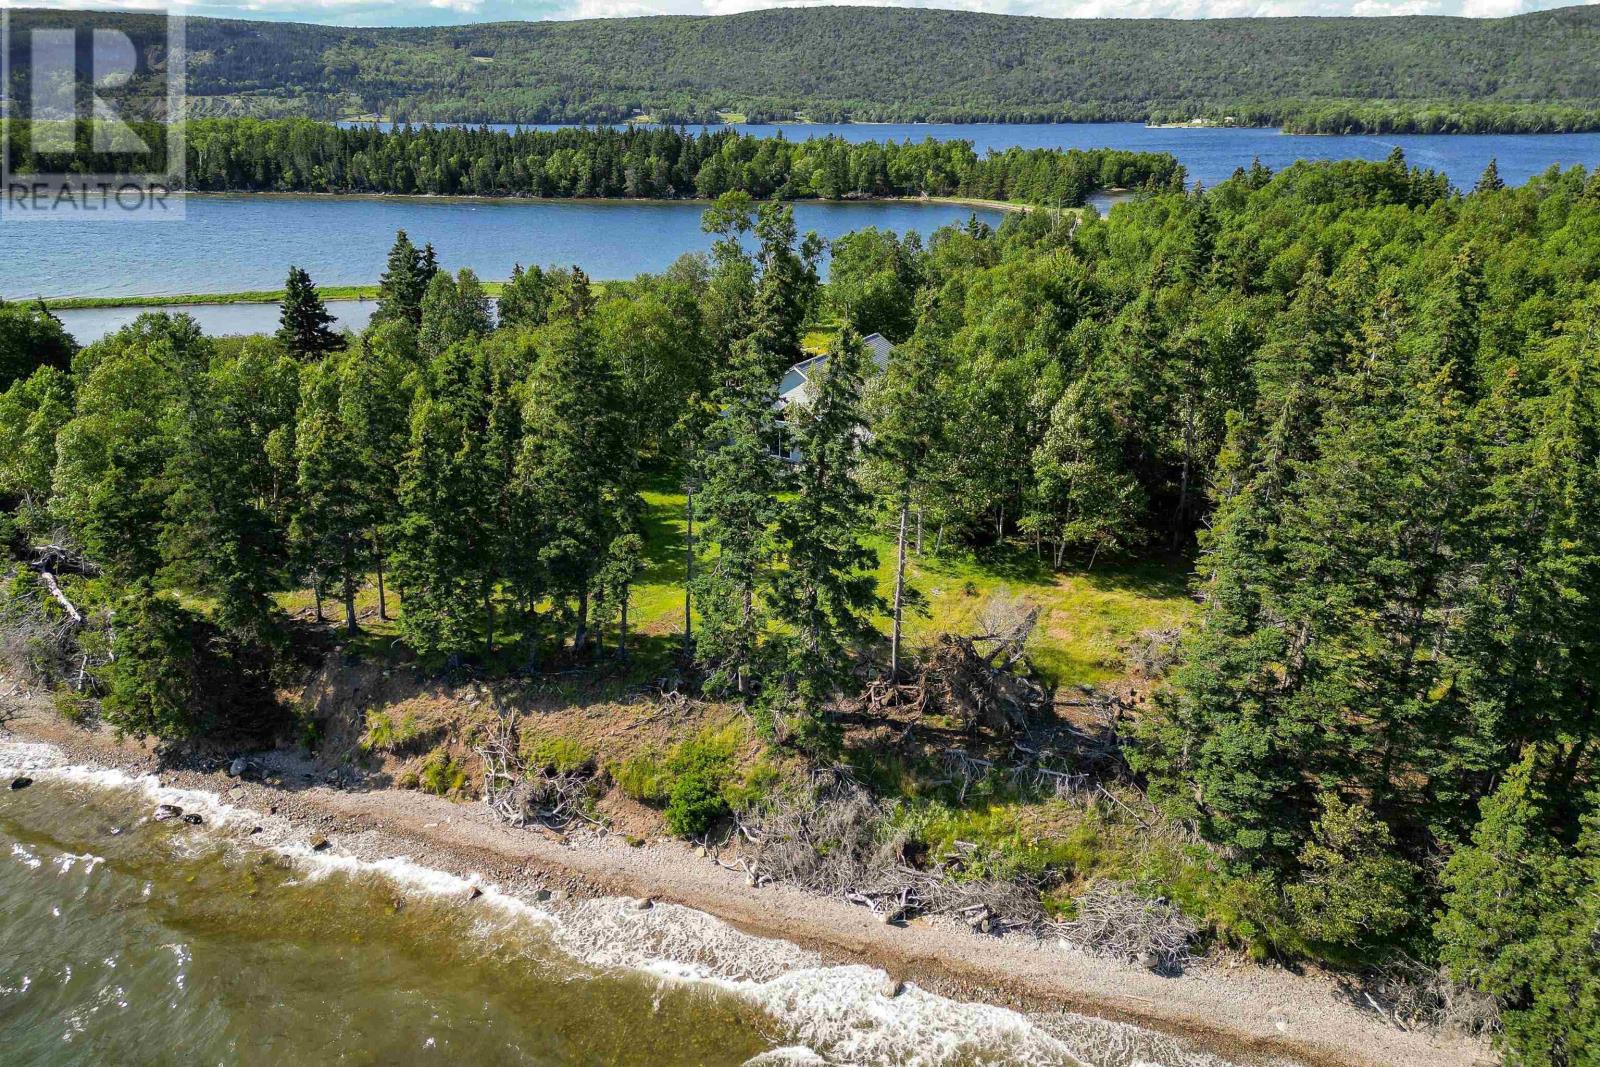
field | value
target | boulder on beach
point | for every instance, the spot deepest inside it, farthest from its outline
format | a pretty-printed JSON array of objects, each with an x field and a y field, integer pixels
[
  {"x": 320, "y": 844},
  {"x": 21, "y": 782}
]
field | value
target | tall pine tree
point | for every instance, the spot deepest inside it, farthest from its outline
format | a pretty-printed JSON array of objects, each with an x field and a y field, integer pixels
[
  {"x": 825, "y": 592},
  {"x": 404, "y": 282},
  {"x": 304, "y": 323},
  {"x": 574, "y": 462},
  {"x": 736, "y": 505}
]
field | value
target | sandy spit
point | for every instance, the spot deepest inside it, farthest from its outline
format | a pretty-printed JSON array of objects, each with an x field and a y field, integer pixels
[{"x": 1243, "y": 1012}]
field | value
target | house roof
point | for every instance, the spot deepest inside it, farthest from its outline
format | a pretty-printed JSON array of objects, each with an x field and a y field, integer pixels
[{"x": 797, "y": 379}]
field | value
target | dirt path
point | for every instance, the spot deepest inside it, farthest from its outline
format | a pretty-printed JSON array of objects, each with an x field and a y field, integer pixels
[{"x": 1240, "y": 1011}]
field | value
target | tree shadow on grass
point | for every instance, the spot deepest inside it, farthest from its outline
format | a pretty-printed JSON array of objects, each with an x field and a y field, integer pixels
[{"x": 664, "y": 539}]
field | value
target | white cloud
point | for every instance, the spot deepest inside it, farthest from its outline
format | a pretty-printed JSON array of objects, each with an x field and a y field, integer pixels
[{"x": 612, "y": 9}]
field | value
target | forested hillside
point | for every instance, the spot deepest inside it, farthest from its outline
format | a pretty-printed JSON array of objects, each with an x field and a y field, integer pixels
[
  {"x": 1533, "y": 71},
  {"x": 1360, "y": 404}
]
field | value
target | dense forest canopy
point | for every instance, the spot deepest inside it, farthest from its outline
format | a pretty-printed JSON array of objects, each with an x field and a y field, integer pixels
[
  {"x": 303, "y": 155},
  {"x": 1423, "y": 73},
  {"x": 1365, "y": 403}
]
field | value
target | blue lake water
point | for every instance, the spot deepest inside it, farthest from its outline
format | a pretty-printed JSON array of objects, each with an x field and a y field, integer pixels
[{"x": 234, "y": 243}]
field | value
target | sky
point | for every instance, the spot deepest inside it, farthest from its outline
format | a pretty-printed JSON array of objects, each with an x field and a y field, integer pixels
[{"x": 450, "y": 12}]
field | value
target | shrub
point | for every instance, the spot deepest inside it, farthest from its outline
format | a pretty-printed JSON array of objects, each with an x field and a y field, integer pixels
[
  {"x": 177, "y": 677},
  {"x": 1353, "y": 889},
  {"x": 699, "y": 768},
  {"x": 643, "y": 776},
  {"x": 694, "y": 780},
  {"x": 77, "y": 708},
  {"x": 442, "y": 774},
  {"x": 696, "y": 802},
  {"x": 756, "y": 784}
]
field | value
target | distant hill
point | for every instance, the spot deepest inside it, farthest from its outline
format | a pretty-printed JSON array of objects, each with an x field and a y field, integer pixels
[{"x": 1534, "y": 71}]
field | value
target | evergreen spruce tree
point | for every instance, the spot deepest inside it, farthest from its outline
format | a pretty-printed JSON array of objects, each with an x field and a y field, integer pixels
[
  {"x": 304, "y": 322},
  {"x": 445, "y": 542},
  {"x": 335, "y": 497},
  {"x": 908, "y": 415},
  {"x": 1533, "y": 634},
  {"x": 1490, "y": 181},
  {"x": 453, "y": 310},
  {"x": 787, "y": 287},
  {"x": 32, "y": 413},
  {"x": 374, "y": 406},
  {"x": 1219, "y": 752},
  {"x": 403, "y": 283},
  {"x": 731, "y": 288},
  {"x": 735, "y": 506},
  {"x": 526, "y": 299},
  {"x": 1521, "y": 906},
  {"x": 223, "y": 534},
  {"x": 614, "y": 585},
  {"x": 574, "y": 462},
  {"x": 1083, "y": 496},
  {"x": 825, "y": 591},
  {"x": 1344, "y": 627}
]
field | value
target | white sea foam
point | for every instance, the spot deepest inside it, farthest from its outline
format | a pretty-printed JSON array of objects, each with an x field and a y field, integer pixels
[
  {"x": 787, "y": 1056},
  {"x": 832, "y": 1015}
]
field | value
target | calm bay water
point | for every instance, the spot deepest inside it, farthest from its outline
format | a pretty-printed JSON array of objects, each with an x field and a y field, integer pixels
[
  {"x": 132, "y": 942},
  {"x": 235, "y": 243}
]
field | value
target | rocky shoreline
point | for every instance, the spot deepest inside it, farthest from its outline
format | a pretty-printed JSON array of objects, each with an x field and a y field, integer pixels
[{"x": 1244, "y": 1012}]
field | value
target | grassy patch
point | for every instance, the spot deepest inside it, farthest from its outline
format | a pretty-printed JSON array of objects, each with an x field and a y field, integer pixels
[
  {"x": 442, "y": 774},
  {"x": 697, "y": 781},
  {"x": 387, "y": 732},
  {"x": 562, "y": 755},
  {"x": 251, "y": 296}
]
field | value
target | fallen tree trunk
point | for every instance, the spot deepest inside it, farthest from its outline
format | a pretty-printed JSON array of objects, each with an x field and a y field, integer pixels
[
  {"x": 61, "y": 598},
  {"x": 49, "y": 559}
]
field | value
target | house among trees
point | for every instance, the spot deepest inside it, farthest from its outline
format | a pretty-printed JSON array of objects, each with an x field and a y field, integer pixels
[{"x": 796, "y": 387}]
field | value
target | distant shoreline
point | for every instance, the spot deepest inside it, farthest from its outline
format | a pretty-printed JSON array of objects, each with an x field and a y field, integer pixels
[
  {"x": 469, "y": 198},
  {"x": 254, "y": 296}
]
